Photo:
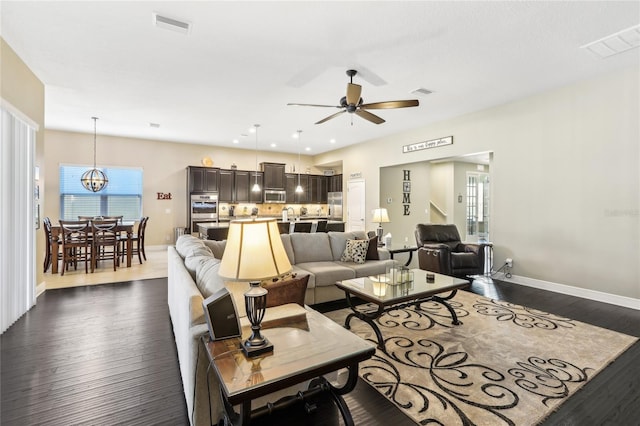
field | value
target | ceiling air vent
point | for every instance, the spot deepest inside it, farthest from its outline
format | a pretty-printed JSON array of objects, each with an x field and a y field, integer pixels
[
  {"x": 171, "y": 24},
  {"x": 422, "y": 91},
  {"x": 615, "y": 43}
]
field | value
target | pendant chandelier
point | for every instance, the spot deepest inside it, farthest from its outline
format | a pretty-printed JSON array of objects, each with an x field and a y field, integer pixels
[
  {"x": 256, "y": 187},
  {"x": 299, "y": 189},
  {"x": 94, "y": 180}
]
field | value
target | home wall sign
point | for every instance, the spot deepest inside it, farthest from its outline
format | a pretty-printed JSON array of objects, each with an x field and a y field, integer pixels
[
  {"x": 406, "y": 192},
  {"x": 164, "y": 196},
  {"x": 435, "y": 143}
]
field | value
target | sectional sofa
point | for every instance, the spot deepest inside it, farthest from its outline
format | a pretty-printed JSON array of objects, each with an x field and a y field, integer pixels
[{"x": 193, "y": 275}]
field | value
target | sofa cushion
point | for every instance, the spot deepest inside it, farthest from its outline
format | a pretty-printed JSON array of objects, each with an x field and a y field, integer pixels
[
  {"x": 371, "y": 267},
  {"x": 338, "y": 241},
  {"x": 216, "y": 247},
  {"x": 288, "y": 248},
  {"x": 191, "y": 263},
  {"x": 328, "y": 273},
  {"x": 312, "y": 247},
  {"x": 188, "y": 245},
  {"x": 355, "y": 251},
  {"x": 208, "y": 280}
]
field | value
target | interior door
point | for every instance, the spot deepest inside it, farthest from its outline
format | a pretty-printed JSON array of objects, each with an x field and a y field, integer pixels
[
  {"x": 356, "y": 206},
  {"x": 477, "y": 207}
]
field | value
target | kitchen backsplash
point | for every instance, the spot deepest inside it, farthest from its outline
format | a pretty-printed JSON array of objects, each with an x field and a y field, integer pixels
[{"x": 273, "y": 210}]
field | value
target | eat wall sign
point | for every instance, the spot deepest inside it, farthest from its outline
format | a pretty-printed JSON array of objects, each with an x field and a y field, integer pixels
[{"x": 164, "y": 196}]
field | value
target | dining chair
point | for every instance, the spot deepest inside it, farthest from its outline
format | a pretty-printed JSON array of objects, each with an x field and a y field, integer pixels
[
  {"x": 48, "y": 244},
  {"x": 302, "y": 226},
  {"x": 284, "y": 227},
  {"x": 116, "y": 218},
  {"x": 322, "y": 226},
  {"x": 137, "y": 241},
  {"x": 75, "y": 243},
  {"x": 105, "y": 242}
]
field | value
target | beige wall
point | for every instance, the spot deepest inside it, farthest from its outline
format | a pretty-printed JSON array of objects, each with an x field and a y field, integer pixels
[
  {"x": 564, "y": 178},
  {"x": 164, "y": 169},
  {"x": 22, "y": 89}
]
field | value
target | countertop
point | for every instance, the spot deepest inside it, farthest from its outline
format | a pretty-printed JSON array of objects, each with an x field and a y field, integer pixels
[{"x": 224, "y": 223}]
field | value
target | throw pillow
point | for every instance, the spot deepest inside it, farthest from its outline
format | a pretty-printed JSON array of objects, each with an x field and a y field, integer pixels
[
  {"x": 291, "y": 290},
  {"x": 372, "y": 251},
  {"x": 356, "y": 251}
]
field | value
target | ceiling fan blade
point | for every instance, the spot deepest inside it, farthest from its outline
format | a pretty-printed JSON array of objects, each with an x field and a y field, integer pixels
[
  {"x": 368, "y": 116},
  {"x": 331, "y": 116},
  {"x": 353, "y": 93},
  {"x": 391, "y": 104},
  {"x": 315, "y": 105}
]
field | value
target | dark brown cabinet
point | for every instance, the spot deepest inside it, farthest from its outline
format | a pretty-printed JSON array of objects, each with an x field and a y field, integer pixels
[
  {"x": 291, "y": 181},
  {"x": 235, "y": 186},
  {"x": 274, "y": 176},
  {"x": 318, "y": 186},
  {"x": 203, "y": 179},
  {"x": 226, "y": 187},
  {"x": 335, "y": 183},
  {"x": 244, "y": 181}
]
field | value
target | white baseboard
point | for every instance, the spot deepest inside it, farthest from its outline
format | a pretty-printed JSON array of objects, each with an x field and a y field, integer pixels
[
  {"x": 40, "y": 288},
  {"x": 599, "y": 296}
]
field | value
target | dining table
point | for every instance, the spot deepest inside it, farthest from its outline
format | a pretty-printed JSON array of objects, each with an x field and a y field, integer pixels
[{"x": 56, "y": 232}]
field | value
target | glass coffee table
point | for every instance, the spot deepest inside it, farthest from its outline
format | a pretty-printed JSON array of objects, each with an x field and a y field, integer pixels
[
  {"x": 387, "y": 296},
  {"x": 305, "y": 348}
]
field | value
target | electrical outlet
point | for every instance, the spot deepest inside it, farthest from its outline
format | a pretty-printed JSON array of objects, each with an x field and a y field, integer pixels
[{"x": 509, "y": 262}]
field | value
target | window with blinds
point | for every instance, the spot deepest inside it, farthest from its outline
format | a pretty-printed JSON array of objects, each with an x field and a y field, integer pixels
[{"x": 122, "y": 196}]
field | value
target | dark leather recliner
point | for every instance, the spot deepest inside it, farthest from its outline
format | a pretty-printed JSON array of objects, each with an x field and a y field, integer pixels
[{"x": 440, "y": 250}]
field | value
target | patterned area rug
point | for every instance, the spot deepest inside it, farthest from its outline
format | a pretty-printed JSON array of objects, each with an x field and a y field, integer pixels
[{"x": 504, "y": 365}]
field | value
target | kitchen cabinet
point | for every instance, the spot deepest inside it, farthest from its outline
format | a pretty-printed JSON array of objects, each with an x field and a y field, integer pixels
[
  {"x": 244, "y": 181},
  {"x": 274, "y": 176},
  {"x": 335, "y": 183},
  {"x": 226, "y": 191},
  {"x": 202, "y": 179},
  {"x": 291, "y": 181},
  {"x": 235, "y": 186},
  {"x": 318, "y": 186}
]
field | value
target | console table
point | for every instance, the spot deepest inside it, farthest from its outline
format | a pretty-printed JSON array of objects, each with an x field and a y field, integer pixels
[{"x": 305, "y": 348}]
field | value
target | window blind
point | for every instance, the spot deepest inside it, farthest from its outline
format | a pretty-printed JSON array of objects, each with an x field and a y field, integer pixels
[{"x": 121, "y": 197}]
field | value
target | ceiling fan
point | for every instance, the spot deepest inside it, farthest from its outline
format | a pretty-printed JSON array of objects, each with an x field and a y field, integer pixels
[{"x": 353, "y": 104}]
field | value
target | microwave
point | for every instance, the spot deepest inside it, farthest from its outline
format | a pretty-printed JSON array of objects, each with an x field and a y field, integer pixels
[{"x": 275, "y": 196}]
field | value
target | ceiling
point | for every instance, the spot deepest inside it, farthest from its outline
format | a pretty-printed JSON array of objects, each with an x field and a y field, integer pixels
[{"x": 242, "y": 62}]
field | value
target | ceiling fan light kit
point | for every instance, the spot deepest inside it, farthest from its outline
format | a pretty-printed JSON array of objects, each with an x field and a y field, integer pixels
[{"x": 353, "y": 103}]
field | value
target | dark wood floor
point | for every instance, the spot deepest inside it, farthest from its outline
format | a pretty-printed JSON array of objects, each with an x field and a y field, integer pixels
[{"x": 105, "y": 355}]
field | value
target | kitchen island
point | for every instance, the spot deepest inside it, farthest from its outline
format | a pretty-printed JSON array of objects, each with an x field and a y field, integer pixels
[{"x": 218, "y": 230}]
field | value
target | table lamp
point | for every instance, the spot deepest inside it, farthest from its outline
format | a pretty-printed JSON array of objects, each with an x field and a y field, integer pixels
[
  {"x": 254, "y": 252},
  {"x": 380, "y": 216}
]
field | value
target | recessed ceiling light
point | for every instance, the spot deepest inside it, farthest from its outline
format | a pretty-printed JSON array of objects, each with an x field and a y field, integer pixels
[
  {"x": 332, "y": 141},
  {"x": 421, "y": 91},
  {"x": 273, "y": 145},
  {"x": 235, "y": 141},
  {"x": 615, "y": 43},
  {"x": 171, "y": 24},
  {"x": 307, "y": 149},
  {"x": 252, "y": 130},
  {"x": 295, "y": 135}
]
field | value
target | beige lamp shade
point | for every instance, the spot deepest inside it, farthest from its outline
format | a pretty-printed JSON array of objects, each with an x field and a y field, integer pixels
[
  {"x": 380, "y": 215},
  {"x": 254, "y": 251}
]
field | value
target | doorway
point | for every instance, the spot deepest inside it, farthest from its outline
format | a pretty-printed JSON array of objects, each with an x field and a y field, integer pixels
[
  {"x": 356, "y": 205},
  {"x": 477, "y": 216}
]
